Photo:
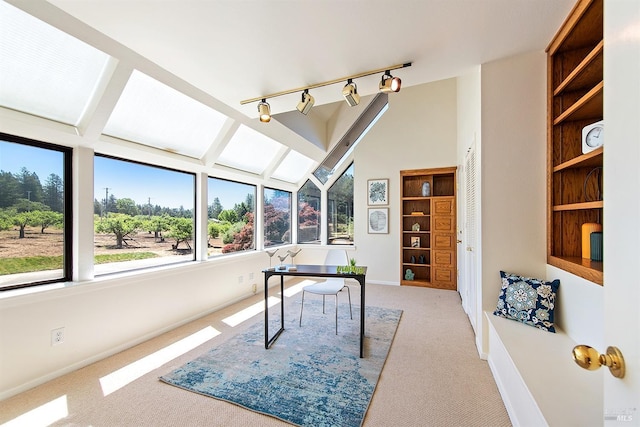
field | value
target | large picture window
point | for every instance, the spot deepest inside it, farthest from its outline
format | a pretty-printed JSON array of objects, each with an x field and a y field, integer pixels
[
  {"x": 277, "y": 217},
  {"x": 35, "y": 221},
  {"x": 143, "y": 215},
  {"x": 340, "y": 210},
  {"x": 231, "y": 214},
  {"x": 309, "y": 213}
]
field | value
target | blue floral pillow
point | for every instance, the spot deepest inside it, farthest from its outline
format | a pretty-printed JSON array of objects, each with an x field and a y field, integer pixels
[{"x": 527, "y": 300}]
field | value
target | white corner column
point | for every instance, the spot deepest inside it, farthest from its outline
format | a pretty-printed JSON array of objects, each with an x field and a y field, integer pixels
[
  {"x": 202, "y": 218},
  {"x": 82, "y": 166}
]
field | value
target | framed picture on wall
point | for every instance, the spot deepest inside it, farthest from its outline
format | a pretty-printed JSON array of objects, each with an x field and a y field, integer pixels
[
  {"x": 377, "y": 192},
  {"x": 415, "y": 242},
  {"x": 378, "y": 220}
]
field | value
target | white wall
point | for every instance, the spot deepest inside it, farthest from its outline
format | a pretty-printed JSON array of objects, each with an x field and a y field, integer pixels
[
  {"x": 513, "y": 174},
  {"x": 107, "y": 315},
  {"x": 417, "y": 131}
]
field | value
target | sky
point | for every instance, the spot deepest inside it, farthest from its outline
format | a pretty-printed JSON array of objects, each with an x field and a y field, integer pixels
[
  {"x": 124, "y": 179},
  {"x": 143, "y": 184},
  {"x": 42, "y": 162}
]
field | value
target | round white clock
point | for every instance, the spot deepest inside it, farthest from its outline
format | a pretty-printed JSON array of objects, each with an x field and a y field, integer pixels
[{"x": 592, "y": 136}]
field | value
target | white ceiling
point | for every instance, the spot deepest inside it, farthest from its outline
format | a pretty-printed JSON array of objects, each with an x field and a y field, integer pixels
[
  {"x": 226, "y": 51},
  {"x": 241, "y": 49}
]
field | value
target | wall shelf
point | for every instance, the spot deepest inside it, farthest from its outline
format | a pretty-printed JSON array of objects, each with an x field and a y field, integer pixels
[{"x": 575, "y": 89}]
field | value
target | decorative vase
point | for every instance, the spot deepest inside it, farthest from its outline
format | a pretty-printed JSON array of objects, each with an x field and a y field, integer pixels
[
  {"x": 408, "y": 274},
  {"x": 587, "y": 229},
  {"x": 413, "y": 259},
  {"x": 426, "y": 189},
  {"x": 596, "y": 246}
]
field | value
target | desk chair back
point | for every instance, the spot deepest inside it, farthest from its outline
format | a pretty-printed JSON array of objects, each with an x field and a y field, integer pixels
[{"x": 331, "y": 286}]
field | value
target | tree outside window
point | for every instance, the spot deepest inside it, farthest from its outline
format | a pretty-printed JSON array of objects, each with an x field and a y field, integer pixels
[
  {"x": 231, "y": 214},
  {"x": 309, "y": 213},
  {"x": 340, "y": 209},
  {"x": 147, "y": 224},
  {"x": 34, "y": 241},
  {"x": 277, "y": 217}
]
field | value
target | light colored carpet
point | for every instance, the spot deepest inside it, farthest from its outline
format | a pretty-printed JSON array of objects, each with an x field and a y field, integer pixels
[{"x": 432, "y": 377}]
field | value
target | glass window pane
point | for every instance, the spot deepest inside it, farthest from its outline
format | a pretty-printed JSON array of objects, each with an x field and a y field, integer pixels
[
  {"x": 151, "y": 113},
  {"x": 147, "y": 224},
  {"x": 249, "y": 151},
  {"x": 340, "y": 210},
  {"x": 231, "y": 216},
  {"x": 293, "y": 167},
  {"x": 34, "y": 242},
  {"x": 277, "y": 217},
  {"x": 46, "y": 72},
  {"x": 309, "y": 213}
]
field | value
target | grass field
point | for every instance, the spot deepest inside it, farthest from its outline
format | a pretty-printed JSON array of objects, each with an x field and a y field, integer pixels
[
  {"x": 43, "y": 251},
  {"x": 39, "y": 263}
]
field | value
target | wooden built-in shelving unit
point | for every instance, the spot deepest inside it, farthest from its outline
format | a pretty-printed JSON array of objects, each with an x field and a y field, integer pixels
[
  {"x": 431, "y": 221},
  {"x": 575, "y": 100}
]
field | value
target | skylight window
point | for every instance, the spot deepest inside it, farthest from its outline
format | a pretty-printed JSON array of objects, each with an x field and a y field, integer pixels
[
  {"x": 343, "y": 149},
  {"x": 293, "y": 167},
  {"x": 44, "y": 71},
  {"x": 152, "y": 113},
  {"x": 250, "y": 151}
]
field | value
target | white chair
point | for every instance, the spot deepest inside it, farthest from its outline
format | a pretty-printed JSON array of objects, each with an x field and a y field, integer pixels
[{"x": 331, "y": 286}]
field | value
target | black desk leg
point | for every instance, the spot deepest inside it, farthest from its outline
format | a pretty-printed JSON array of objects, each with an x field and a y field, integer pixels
[
  {"x": 362, "y": 306},
  {"x": 268, "y": 341}
]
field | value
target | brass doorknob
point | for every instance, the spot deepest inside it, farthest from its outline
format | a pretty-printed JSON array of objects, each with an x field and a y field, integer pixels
[{"x": 588, "y": 358}]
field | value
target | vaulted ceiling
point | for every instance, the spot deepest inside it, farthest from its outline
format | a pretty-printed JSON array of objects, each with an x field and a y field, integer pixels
[{"x": 220, "y": 52}]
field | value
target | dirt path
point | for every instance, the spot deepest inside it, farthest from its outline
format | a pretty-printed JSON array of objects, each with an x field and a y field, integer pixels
[{"x": 51, "y": 244}]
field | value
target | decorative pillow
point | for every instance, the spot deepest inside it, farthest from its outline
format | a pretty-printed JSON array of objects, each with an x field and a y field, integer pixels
[{"x": 527, "y": 300}]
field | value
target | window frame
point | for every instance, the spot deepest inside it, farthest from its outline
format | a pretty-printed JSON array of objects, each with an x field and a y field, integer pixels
[
  {"x": 194, "y": 209},
  {"x": 319, "y": 210},
  {"x": 67, "y": 171},
  {"x": 264, "y": 227},
  {"x": 255, "y": 218},
  {"x": 328, "y": 214}
]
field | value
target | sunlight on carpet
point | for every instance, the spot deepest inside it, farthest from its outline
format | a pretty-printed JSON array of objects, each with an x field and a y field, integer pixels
[{"x": 309, "y": 377}]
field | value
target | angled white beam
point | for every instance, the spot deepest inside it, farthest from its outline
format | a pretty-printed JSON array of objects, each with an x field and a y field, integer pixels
[{"x": 222, "y": 139}]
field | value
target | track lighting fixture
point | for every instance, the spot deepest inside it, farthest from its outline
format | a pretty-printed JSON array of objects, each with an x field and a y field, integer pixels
[
  {"x": 264, "y": 110},
  {"x": 390, "y": 83},
  {"x": 350, "y": 93},
  {"x": 307, "y": 102}
]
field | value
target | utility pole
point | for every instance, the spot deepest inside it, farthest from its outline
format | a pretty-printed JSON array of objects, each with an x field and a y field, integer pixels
[
  {"x": 149, "y": 203},
  {"x": 106, "y": 201},
  {"x": 29, "y": 195}
]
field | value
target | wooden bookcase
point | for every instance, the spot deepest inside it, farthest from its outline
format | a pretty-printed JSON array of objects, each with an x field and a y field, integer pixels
[
  {"x": 574, "y": 100},
  {"x": 428, "y": 228}
]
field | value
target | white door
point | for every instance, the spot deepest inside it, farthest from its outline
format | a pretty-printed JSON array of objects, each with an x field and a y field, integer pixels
[
  {"x": 470, "y": 233},
  {"x": 621, "y": 225}
]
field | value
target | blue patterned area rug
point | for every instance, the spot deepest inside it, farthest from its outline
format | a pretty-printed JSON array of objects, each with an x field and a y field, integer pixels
[{"x": 309, "y": 377}]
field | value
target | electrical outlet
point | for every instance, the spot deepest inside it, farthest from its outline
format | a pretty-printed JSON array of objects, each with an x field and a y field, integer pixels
[
  {"x": 254, "y": 288},
  {"x": 240, "y": 279},
  {"x": 57, "y": 336}
]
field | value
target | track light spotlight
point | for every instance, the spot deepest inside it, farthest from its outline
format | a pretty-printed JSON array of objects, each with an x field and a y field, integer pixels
[
  {"x": 390, "y": 83},
  {"x": 264, "y": 110},
  {"x": 307, "y": 102},
  {"x": 350, "y": 93}
]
